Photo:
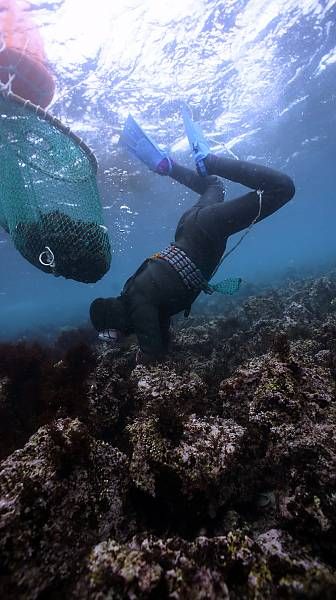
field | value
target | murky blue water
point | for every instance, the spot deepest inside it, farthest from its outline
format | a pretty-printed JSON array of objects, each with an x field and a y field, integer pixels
[{"x": 260, "y": 77}]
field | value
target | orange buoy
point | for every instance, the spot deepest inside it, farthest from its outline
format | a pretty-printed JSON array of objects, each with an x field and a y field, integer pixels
[{"x": 22, "y": 56}]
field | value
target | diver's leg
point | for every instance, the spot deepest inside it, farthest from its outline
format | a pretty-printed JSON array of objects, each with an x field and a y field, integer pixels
[
  {"x": 273, "y": 190},
  {"x": 214, "y": 194},
  {"x": 252, "y": 175},
  {"x": 220, "y": 220},
  {"x": 226, "y": 218},
  {"x": 210, "y": 188}
]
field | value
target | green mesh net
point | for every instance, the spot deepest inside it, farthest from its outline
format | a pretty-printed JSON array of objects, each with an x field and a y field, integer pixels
[
  {"x": 49, "y": 201},
  {"x": 227, "y": 286}
]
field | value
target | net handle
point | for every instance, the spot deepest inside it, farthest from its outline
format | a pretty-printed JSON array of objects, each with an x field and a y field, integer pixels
[
  {"x": 47, "y": 116},
  {"x": 47, "y": 258}
]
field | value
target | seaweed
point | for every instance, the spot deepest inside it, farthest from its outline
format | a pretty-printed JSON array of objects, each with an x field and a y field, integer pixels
[{"x": 38, "y": 384}]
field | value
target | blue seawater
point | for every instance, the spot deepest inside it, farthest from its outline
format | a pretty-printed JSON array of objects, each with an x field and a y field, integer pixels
[{"x": 260, "y": 78}]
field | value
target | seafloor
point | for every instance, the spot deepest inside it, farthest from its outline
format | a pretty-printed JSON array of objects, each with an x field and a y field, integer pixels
[{"x": 211, "y": 476}]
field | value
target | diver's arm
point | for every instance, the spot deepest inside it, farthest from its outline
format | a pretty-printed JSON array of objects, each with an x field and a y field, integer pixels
[
  {"x": 146, "y": 323},
  {"x": 165, "y": 331},
  {"x": 189, "y": 178}
]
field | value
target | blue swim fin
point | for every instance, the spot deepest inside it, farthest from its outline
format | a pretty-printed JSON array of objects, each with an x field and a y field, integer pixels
[
  {"x": 227, "y": 286},
  {"x": 140, "y": 144},
  {"x": 197, "y": 142}
]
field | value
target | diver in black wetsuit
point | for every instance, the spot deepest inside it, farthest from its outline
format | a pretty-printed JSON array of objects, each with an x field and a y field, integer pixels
[{"x": 158, "y": 289}]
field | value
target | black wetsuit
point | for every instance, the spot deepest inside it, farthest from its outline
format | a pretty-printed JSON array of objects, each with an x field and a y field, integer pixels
[{"x": 156, "y": 291}]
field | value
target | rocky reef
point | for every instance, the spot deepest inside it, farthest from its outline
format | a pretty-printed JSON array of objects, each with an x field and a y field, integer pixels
[{"x": 209, "y": 476}]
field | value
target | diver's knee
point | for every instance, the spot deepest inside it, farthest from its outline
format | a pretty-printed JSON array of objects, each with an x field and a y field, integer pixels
[
  {"x": 287, "y": 188},
  {"x": 215, "y": 181},
  {"x": 290, "y": 188}
]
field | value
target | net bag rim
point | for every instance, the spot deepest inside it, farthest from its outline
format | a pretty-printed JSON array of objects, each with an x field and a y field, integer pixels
[{"x": 47, "y": 116}]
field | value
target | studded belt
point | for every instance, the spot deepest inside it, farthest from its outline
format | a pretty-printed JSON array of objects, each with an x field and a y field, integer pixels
[{"x": 191, "y": 275}]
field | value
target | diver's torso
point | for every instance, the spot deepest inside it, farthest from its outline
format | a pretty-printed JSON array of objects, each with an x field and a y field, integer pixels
[{"x": 157, "y": 282}]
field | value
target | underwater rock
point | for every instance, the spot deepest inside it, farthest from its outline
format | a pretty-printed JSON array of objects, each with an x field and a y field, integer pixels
[
  {"x": 202, "y": 454},
  {"x": 292, "y": 405},
  {"x": 164, "y": 383},
  {"x": 211, "y": 475},
  {"x": 59, "y": 495},
  {"x": 220, "y": 568},
  {"x": 109, "y": 391},
  {"x": 298, "y": 574},
  {"x": 263, "y": 307},
  {"x": 165, "y": 401},
  {"x": 321, "y": 295}
]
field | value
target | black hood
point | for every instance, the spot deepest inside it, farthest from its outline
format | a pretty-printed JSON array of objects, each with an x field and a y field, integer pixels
[{"x": 109, "y": 313}]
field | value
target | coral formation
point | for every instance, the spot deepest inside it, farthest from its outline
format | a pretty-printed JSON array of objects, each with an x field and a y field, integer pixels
[{"x": 212, "y": 475}]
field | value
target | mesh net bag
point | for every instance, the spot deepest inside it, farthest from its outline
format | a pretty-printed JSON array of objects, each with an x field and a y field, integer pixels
[{"x": 49, "y": 201}]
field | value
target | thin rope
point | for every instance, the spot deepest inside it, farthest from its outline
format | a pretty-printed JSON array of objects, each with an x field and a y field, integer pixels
[
  {"x": 260, "y": 194},
  {"x": 225, "y": 147},
  {"x": 2, "y": 42},
  {"x": 7, "y": 87}
]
